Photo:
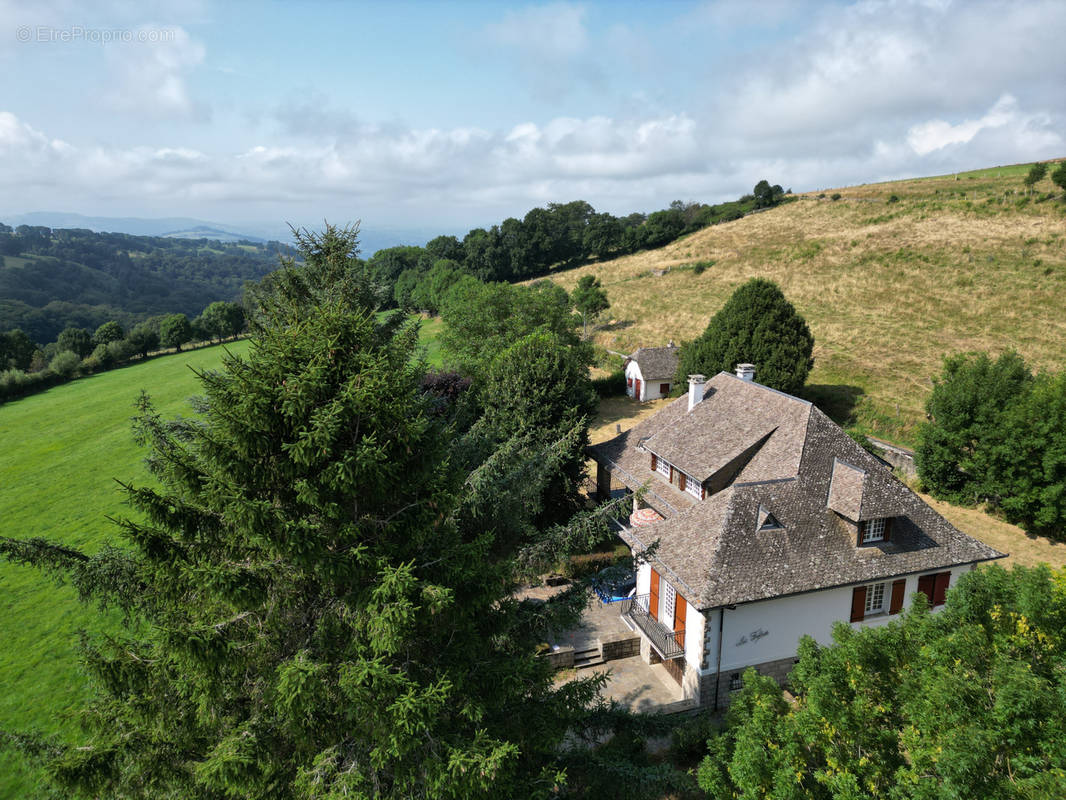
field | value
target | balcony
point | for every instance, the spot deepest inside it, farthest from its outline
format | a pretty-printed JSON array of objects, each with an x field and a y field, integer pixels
[{"x": 667, "y": 643}]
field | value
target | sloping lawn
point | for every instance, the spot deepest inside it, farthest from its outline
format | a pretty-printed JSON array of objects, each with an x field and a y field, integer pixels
[{"x": 60, "y": 452}]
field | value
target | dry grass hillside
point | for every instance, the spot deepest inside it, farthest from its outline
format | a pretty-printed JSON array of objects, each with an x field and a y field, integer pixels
[{"x": 967, "y": 262}]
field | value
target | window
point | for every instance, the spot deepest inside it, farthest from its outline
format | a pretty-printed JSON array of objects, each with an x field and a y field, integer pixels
[
  {"x": 735, "y": 683},
  {"x": 873, "y": 531},
  {"x": 663, "y": 468},
  {"x": 694, "y": 487},
  {"x": 664, "y": 388},
  {"x": 669, "y": 603},
  {"x": 875, "y": 598},
  {"x": 870, "y": 599},
  {"x": 629, "y": 382}
]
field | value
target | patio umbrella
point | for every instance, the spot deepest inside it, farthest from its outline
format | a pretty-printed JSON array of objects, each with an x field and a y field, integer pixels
[{"x": 644, "y": 516}]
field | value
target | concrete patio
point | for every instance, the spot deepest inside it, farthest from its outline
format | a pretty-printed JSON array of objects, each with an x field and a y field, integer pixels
[{"x": 638, "y": 686}]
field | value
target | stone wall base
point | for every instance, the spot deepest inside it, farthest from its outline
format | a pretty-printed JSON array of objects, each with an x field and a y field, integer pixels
[
  {"x": 778, "y": 670},
  {"x": 619, "y": 645}
]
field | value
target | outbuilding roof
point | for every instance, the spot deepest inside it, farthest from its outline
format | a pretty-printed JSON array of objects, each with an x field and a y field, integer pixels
[
  {"x": 762, "y": 452},
  {"x": 656, "y": 363}
]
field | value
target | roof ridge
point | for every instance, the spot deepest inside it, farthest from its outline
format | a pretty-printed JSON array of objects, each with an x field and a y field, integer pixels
[
  {"x": 768, "y": 388},
  {"x": 766, "y": 481}
]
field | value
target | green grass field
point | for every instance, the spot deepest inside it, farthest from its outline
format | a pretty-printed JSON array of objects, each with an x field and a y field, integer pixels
[{"x": 60, "y": 452}]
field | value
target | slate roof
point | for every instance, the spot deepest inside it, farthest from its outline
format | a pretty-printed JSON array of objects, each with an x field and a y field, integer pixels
[
  {"x": 806, "y": 472},
  {"x": 656, "y": 363}
]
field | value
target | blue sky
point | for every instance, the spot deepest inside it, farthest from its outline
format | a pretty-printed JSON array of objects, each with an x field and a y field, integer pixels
[{"x": 451, "y": 115}]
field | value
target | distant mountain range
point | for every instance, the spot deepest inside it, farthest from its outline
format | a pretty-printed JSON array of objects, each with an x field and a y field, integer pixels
[{"x": 371, "y": 239}]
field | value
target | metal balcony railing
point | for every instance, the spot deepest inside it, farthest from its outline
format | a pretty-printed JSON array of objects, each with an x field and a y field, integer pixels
[{"x": 667, "y": 643}]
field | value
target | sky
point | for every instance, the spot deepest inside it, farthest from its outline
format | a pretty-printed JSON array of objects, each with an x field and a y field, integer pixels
[{"x": 447, "y": 116}]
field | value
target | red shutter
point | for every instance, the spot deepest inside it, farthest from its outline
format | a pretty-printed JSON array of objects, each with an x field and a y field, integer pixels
[
  {"x": 925, "y": 586},
  {"x": 680, "y": 609},
  {"x": 681, "y": 482},
  {"x": 664, "y": 389},
  {"x": 671, "y": 473},
  {"x": 653, "y": 599},
  {"x": 898, "y": 588},
  {"x": 888, "y": 529},
  {"x": 703, "y": 492},
  {"x": 940, "y": 587},
  {"x": 654, "y": 462},
  {"x": 858, "y": 603}
]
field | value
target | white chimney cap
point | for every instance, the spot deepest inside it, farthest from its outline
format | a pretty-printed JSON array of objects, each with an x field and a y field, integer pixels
[
  {"x": 746, "y": 372},
  {"x": 695, "y": 390}
]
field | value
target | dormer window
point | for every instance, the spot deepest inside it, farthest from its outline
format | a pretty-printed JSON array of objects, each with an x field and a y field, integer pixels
[
  {"x": 662, "y": 467},
  {"x": 770, "y": 524},
  {"x": 872, "y": 531}
]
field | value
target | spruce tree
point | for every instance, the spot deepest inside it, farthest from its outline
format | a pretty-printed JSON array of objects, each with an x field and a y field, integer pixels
[{"x": 318, "y": 602}]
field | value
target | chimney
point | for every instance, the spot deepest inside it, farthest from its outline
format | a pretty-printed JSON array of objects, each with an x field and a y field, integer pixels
[
  {"x": 746, "y": 372},
  {"x": 695, "y": 390}
]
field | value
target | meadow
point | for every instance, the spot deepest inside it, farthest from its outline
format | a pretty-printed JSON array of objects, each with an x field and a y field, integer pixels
[
  {"x": 61, "y": 453},
  {"x": 890, "y": 277}
]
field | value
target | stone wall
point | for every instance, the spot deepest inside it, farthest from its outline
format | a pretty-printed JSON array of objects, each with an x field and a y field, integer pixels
[
  {"x": 619, "y": 645},
  {"x": 778, "y": 670},
  {"x": 560, "y": 658}
]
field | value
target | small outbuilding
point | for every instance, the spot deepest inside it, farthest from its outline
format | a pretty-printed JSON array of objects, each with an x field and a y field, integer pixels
[{"x": 650, "y": 372}]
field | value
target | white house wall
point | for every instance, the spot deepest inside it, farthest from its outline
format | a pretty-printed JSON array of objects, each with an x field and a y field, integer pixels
[
  {"x": 694, "y": 620},
  {"x": 770, "y": 630},
  {"x": 632, "y": 376},
  {"x": 648, "y": 391}
]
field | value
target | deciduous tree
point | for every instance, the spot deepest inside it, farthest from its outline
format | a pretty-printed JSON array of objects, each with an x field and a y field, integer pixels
[
  {"x": 1035, "y": 175},
  {"x": 482, "y": 319},
  {"x": 77, "y": 340},
  {"x": 175, "y": 330},
  {"x": 969, "y": 702},
  {"x": 964, "y": 410},
  {"x": 1058, "y": 177},
  {"x": 107, "y": 333}
]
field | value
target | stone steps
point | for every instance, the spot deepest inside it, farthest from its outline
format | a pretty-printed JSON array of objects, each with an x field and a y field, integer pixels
[{"x": 589, "y": 657}]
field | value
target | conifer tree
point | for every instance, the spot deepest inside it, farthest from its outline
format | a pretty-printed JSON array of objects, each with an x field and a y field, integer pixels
[
  {"x": 757, "y": 325},
  {"x": 318, "y": 600}
]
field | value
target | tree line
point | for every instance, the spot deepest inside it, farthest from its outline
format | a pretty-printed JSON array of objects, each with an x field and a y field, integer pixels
[
  {"x": 26, "y": 368},
  {"x": 560, "y": 236},
  {"x": 54, "y": 279}
]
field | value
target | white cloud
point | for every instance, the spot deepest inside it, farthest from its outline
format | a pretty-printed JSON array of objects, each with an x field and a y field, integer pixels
[
  {"x": 937, "y": 134},
  {"x": 149, "y": 74}
]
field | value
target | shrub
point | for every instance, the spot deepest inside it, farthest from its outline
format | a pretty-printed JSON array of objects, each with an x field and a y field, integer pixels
[
  {"x": 613, "y": 385},
  {"x": 835, "y": 196},
  {"x": 102, "y": 357},
  {"x": 688, "y": 741},
  {"x": 893, "y": 198},
  {"x": 700, "y": 266},
  {"x": 582, "y": 566},
  {"x": 121, "y": 351},
  {"x": 65, "y": 364}
]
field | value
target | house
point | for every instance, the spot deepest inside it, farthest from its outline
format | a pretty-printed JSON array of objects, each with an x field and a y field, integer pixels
[
  {"x": 650, "y": 372},
  {"x": 768, "y": 522}
]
